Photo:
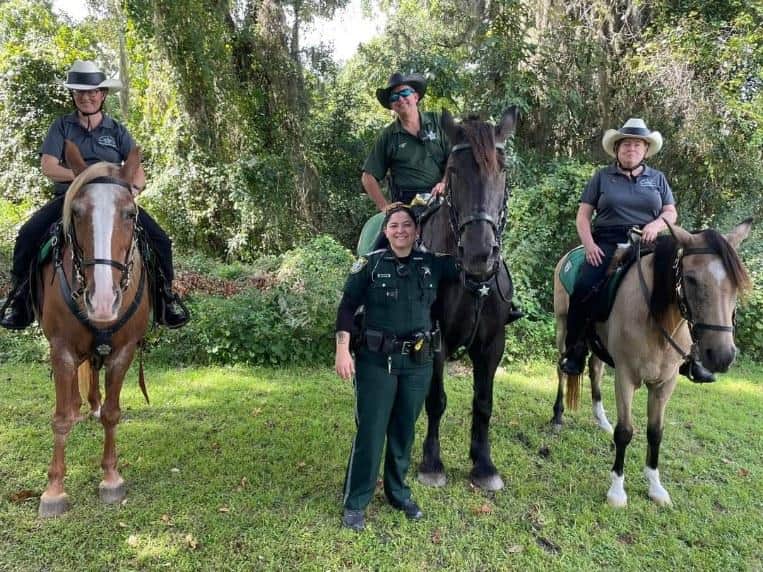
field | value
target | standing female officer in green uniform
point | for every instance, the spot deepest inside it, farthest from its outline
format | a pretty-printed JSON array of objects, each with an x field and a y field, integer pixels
[{"x": 397, "y": 286}]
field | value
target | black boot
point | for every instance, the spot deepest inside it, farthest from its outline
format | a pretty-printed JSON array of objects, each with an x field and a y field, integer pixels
[
  {"x": 171, "y": 311},
  {"x": 695, "y": 371},
  {"x": 16, "y": 313},
  {"x": 573, "y": 360},
  {"x": 514, "y": 313}
]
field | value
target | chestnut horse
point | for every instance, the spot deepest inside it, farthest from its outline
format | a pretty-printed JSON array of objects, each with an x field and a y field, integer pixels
[
  {"x": 93, "y": 306},
  {"x": 694, "y": 280}
]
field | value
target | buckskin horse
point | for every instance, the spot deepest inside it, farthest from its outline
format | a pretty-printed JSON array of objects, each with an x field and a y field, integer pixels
[
  {"x": 473, "y": 312},
  {"x": 92, "y": 307},
  {"x": 682, "y": 296}
]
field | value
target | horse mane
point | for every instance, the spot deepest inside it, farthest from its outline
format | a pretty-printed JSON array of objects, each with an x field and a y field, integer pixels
[
  {"x": 481, "y": 137},
  {"x": 665, "y": 252},
  {"x": 100, "y": 169}
]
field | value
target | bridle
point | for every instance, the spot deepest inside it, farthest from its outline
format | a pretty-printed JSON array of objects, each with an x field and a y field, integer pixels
[
  {"x": 458, "y": 224},
  {"x": 480, "y": 289},
  {"x": 79, "y": 262},
  {"x": 102, "y": 336},
  {"x": 682, "y": 300}
]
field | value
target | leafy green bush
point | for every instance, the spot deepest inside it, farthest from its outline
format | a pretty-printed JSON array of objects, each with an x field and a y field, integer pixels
[
  {"x": 290, "y": 322},
  {"x": 23, "y": 347}
]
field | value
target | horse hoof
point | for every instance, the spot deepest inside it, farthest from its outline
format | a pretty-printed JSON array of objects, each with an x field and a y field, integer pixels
[
  {"x": 616, "y": 500},
  {"x": 492, "y": 483},
  {"x": 53, "y": 505},
  {"x": 606, "y": 426},
  {"x": 112, "y": 494},
  {"x": 661, "y": 499},
  {"x": 556, "y": 427},
  {"x": 432, "y": 479},
  {"x": 96, "y": 413}
]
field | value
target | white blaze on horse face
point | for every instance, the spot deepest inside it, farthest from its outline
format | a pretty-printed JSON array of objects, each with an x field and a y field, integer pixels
[
  {"x": 104, "y": 295},
  {"x": 717, "y": 271}
]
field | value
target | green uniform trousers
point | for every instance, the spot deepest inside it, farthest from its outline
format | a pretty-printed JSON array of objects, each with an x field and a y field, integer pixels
[{"x": 387, "y": 404}]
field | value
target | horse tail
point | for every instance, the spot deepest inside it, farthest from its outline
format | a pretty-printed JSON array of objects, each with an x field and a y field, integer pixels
[
  {"x": 572, "y": 395},
  {"x": 84, "y": 376}
]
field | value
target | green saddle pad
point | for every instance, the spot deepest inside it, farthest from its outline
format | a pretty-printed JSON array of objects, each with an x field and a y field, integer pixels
[
  {"x": 369, "y": 234},
  {"x": 573, "y": 261},
  {"x": 45, "y": 250}
]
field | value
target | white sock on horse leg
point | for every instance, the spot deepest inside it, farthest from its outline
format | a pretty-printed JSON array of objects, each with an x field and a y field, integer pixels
[
  {"x": 616, "y": 496},
  {"x": 601, "y": 417},
  {"x": 656, "y": 491}
]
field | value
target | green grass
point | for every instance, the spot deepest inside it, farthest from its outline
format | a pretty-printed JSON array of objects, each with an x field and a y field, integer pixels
[{"x": 241, "y": 469}]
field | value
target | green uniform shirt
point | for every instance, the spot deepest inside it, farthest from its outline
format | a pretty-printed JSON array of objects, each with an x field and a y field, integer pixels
[
  {"x": 416, "y": 163},
  {"x": 398, "y": 297}
]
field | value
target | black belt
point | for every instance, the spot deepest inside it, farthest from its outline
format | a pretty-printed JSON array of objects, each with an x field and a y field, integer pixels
[{"x": 388, "y": 344}]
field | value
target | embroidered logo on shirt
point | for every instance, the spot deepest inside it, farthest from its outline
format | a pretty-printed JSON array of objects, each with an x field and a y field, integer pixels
[
  {"x": 403, "y": 144},
  {"x": 429, "y": 136},
  {"x": 107, "y": 141}
]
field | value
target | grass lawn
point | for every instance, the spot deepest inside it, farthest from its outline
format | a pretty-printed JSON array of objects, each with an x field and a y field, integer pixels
[{"x": 242, "y": 469}]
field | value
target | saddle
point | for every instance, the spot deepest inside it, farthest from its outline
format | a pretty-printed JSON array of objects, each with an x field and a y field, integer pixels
[{"x": 606, "y": 291}]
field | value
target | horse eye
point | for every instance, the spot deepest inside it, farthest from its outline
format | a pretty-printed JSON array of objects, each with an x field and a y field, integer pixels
[
  {"x": 129, "y": 214},
  {"x": 690, "y": 280}
]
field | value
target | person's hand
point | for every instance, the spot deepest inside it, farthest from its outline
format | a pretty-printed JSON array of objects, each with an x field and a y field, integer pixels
[
  {"x": 438, "y": 189},
  {"x": 593, "y": 254},
  {"x": 649, "y": 232},
  {"x": 344, "y": 364}
]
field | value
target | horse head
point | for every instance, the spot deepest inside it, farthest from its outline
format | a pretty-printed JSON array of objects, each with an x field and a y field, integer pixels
[
  {"x": 708, "y": 278},
  {"x": 476, "y": 190},
  {"x": 99, "y": 224}
]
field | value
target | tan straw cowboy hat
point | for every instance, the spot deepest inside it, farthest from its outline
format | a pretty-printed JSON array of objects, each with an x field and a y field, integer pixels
[
  {"x": 634, "y": 128},
  {"x": 85, "y": 75}
]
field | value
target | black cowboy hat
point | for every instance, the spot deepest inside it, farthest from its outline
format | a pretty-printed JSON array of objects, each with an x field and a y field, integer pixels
[{"x": 416, "y": 81}]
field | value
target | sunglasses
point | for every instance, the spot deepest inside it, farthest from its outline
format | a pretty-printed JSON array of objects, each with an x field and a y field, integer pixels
[{"x": 402, "y": 93}]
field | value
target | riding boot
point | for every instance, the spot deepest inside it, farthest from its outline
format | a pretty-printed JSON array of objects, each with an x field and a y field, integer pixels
[
  {"x": 16, "y": 312},
  {"x": 514, "y": 314},
  {"x": 171, "y": 311},
  {"x": 573, "y": 360},
  {"x": 695, "y": 371}
]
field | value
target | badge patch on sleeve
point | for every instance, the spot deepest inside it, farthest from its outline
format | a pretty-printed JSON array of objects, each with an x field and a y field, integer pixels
[{"x": 359, "y": 264}]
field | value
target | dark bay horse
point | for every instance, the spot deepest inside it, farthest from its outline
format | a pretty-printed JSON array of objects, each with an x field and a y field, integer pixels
[
  {"x": 93, "y": 305},
  {"x": 473, "y": 313},
  {"x": 683, "y": 294}
]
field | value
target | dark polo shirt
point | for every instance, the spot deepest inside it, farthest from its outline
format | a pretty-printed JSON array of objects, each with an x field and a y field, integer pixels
[
  {"x": 110, "y": 141},
  {"x": 416, "y": 162},
  {"x": 620, "y": 201}
]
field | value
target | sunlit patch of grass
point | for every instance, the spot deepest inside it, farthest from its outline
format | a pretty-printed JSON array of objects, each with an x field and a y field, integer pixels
[{"x": 235, "y": 468}]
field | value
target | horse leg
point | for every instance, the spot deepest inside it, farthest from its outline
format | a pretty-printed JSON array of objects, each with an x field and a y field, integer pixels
[
  {"x": 557, "y": 421},
  {"x": 431, "y": 469},
  {"x": 54, "y": 501},
  {"x": 624, "y": 389},
  {"x": 484, "y": 474},
  {"x": 656, "y": 403},
  {"x": 561, "y": 332},
  {"x": 112, "y": 487},
  {"x": 595, "y": 371}
]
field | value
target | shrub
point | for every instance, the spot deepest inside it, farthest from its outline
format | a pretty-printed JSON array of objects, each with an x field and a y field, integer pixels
[{"x": 290, "y": 322}]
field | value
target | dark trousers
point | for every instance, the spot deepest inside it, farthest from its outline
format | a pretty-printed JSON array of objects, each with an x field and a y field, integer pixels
[
  {"x": 387, "y": 406},
  {"x": 588, "y": 285},
  {"x": 33, "y": 233}
]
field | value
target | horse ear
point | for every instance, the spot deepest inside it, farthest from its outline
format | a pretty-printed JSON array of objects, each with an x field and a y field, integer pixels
[
  {"x": 682, "y": 236},
  {"x": 739, "y": 233},
  {"x": 448, "y": 125},
  {"x": 74, "y": 158},
  {"x": 130, "y": 167},
  {"x": 507, "y": 125}
]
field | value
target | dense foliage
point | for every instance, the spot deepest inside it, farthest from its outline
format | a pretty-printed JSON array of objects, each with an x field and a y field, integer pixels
[{"x": 253, "y": 143}]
